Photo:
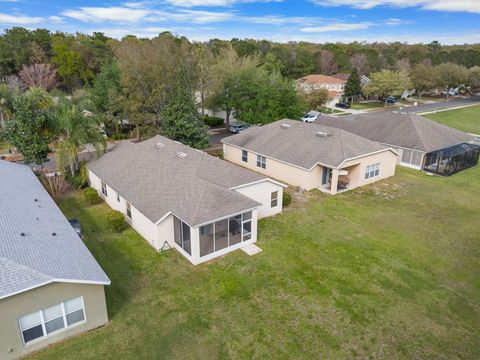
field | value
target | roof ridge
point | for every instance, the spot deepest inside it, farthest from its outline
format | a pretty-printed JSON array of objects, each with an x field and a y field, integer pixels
[
  {"x": 15, "y": 262},
  {"x": 417, "y": 131}
]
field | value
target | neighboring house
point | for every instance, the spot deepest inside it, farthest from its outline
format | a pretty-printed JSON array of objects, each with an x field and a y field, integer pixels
[
  {"x": 182, "y": 198},
  {"x": 422, "y": 144},
  {"x": 335, "y": 86},
  {"x": 311, "y": 156},
  {"x": 342, "y": 76},
  {"x": 51, "y": 287},
  {"x": 364, "y": 80}
]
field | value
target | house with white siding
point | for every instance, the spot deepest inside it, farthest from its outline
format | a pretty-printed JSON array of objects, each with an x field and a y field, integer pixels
[{"x": 182, "y": 198}]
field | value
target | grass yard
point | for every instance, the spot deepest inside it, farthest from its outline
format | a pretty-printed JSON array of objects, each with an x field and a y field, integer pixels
[
  {"x": 465, "y": 119},
  {"x": 367, "y": 105},
  {"x": 389, "y": 271}
]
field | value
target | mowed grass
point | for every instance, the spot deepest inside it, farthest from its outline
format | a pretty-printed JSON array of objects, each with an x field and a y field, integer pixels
[
  {"x": 388, "y": 271},
  {"x": 466, "y": 119}
]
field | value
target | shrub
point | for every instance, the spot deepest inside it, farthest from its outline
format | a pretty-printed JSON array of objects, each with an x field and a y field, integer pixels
[
  {"x": 287, "y": 199},
  {"x": 116, "y": 221},
  {"x": 213, "y": 121},
  {"x": 92, "y": 196},
  {"x": 119, "y": 136}
]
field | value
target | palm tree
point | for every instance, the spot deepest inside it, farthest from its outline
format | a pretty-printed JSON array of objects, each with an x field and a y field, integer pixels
[{"x": 75, "y": 130}]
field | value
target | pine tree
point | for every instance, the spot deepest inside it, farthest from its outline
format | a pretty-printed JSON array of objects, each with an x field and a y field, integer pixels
[
  {"x": 180, "y": 118},
  {"x": 353, "y": 87}
]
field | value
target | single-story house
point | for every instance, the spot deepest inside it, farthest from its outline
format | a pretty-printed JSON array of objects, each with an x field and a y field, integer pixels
[
  {"x": 422, "y": 144},
  {"x": 335, "y": 86},
  {"x": 51, "y": 287},
  {"x": 182, "y": 198},
  {"x": 311, "y": 156}
]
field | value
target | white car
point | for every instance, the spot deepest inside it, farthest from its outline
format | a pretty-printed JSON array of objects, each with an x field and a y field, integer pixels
[{"x": 309, "y": 118}]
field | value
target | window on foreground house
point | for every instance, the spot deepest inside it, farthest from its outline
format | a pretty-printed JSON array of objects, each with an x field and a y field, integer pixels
[
  {"x": 182, "y": 235},
  {"x": 47, "y": 321},
  {"x": 244, "y": 155},
  {"x": 261, "y": 161},
  {"x": 104, "y": 189},
  {"x": 224, "y": 233},
  {"x": 372, "y": 171},
  {"x": 129, "y": 210},
  {"x": 274, "y": 199}
]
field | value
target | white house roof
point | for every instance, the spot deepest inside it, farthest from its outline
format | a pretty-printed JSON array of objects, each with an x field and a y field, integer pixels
[{"x": 37, "y": 244}]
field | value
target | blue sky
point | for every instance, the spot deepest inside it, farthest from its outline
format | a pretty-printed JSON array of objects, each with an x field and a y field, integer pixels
[{"x": 448, "y": 21}]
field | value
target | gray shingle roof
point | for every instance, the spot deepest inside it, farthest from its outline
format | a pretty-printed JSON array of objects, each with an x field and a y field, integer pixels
[
  {"x": 156, "y": 181},
  {"x": 37, "y": 257},
  {"x": 398, "y": 129},
  {"x": 300, "y": 145}
]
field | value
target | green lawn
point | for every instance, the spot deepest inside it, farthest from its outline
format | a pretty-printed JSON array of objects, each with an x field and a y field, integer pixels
[
  {"x": 465, "y": 119},
  {"x": 367, "y": 105},
  {"x": 389, "y": 271}
]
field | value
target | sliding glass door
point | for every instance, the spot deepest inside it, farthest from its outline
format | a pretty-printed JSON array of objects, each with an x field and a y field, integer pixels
[{"x": 182, "y": 235}]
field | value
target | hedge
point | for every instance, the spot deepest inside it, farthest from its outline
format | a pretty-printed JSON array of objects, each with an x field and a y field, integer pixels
[
  {"x": 213, "y": 121},
  {"x": 92, "y": 196},
  {"x": 287, "y": 199},
  {"x": 116, "y": 221}
]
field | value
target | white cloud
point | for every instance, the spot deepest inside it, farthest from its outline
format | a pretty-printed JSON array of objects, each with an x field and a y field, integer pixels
[
  {"x": 472, "y": 6},
  {"x": 396, "y": 22},
  {"x": 6, "y": 19},
  {"x": 101, "y": 14},
  {"x": 336, "y": 27},
  {"x": 192, "y": 3}
]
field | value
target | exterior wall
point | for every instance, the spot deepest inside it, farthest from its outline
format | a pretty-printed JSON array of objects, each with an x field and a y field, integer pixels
[
  {"x": 12, "y": 308},
  {"x": 139, "y": 222},
  {"x": 275, "y": 169},
  {"x": 308, "y": 86},
  {"x": 262, "y": 192},
  {"x": 399, "y": 159},
  {"x": 165, "y": 232},
  {"x": 387, "y": 161}
]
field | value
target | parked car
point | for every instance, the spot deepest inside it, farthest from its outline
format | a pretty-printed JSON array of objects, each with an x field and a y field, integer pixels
[
  {"x": 391, "y": 100},
  {"x": 237, "y": 128},
  {"x": 343, "y": 105},
  {"x": 76, "y": 226},
  {"x": 310, "y": 116}
]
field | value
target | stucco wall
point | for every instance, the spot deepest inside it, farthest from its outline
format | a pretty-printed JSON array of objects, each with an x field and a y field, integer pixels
[
  {"x": 262, "y": 193},
  {"x": 40, "y": 298},
  {"x": 275, "y": 169}
]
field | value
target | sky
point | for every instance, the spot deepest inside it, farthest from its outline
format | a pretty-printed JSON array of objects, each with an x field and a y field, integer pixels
[{"x": 319, "y": 21}]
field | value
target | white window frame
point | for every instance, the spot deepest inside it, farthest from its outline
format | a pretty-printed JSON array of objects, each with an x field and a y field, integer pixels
[
  {"x": 128, "y": 211},
  {"x": 372, "y": 171},
  {"x": 274, "y": 199},
  {"x": 245, "y": 156},
  {"x": 261, "y": 161},
  {"x": 104, "y": 189},
  {"x": 42, "y": 322}
]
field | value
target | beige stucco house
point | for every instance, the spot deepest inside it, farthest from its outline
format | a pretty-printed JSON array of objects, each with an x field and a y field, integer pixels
[
  {"x": 334, "y": 85},
  {"x": 181, "y": 198},
  {"x": 311, "y": 156},
  {"x": 51, "y": 287}
]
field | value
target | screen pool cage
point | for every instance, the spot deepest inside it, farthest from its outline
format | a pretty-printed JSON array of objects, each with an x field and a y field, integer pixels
[{"x": 451, "y": 160}]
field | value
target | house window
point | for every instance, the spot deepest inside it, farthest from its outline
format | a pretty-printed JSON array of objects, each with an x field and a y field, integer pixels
[
  {"x": 261, "y": 161},
  {"x": 225, "y": 233},
  {"x": 274, "y": 199},
  {"x": 118, "y": 198},
  {"x": 372, "y": 171},
  {"x": 412, "y": 157},
  {"x": 244, "y": 155},
  {"x": 182, "y": 235},
  {"x": 104, "y": 189},
  {"x": 52, "y": 319},
  {"x": 129, "y": 210}
]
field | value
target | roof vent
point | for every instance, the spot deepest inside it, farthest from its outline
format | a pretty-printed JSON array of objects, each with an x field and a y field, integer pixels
[
  {"x": 394, "y": 112},
  {"x": 403, "y": 113},
  {"x": 22, "y": 234},
  {"x": 160, "y": 145},
  {"x": 54, "y": 234},
  {"x": 285, "y": 126},
  {"x": 181, "y": 155},
  {"x": 323, "y": 134}
]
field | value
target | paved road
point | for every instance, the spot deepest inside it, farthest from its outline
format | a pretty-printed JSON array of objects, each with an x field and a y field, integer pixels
[{"x": 442, "y": 105}]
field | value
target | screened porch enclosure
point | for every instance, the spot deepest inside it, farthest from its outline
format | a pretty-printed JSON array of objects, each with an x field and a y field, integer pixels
[{"x": 448, "y": 161}]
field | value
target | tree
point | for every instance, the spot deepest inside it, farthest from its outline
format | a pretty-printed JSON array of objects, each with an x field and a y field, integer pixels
[
  {"x": 353, "y": 87},
  {"x": 360, "y": 62},
  {"x": 423, "y": 78},
  {"x": 6, "y": 104},
  {"x": 450, "y": 76},
  {"x": 474, "y": 77},
  {"x": 106, "y": 89},
  {"x": 74, "y": 130},
  {"x": 326, "y": 62},
  {"x": 181, "y": 120},
  {"x": 316, "y": 99},
  {"x": 27, "y": 131},
  {"x": 38, "y": 75},
  {"x": 204, "y": 62},
  {"x": 386, "y": 83}
]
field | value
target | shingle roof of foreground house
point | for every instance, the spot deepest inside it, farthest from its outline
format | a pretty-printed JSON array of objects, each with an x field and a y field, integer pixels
[
  {"x": 399, "y": 129},
  {"x": 302, "y": 144},
  {"x": 37, "y": 244},
  {"x": 159, "y": 176}
]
